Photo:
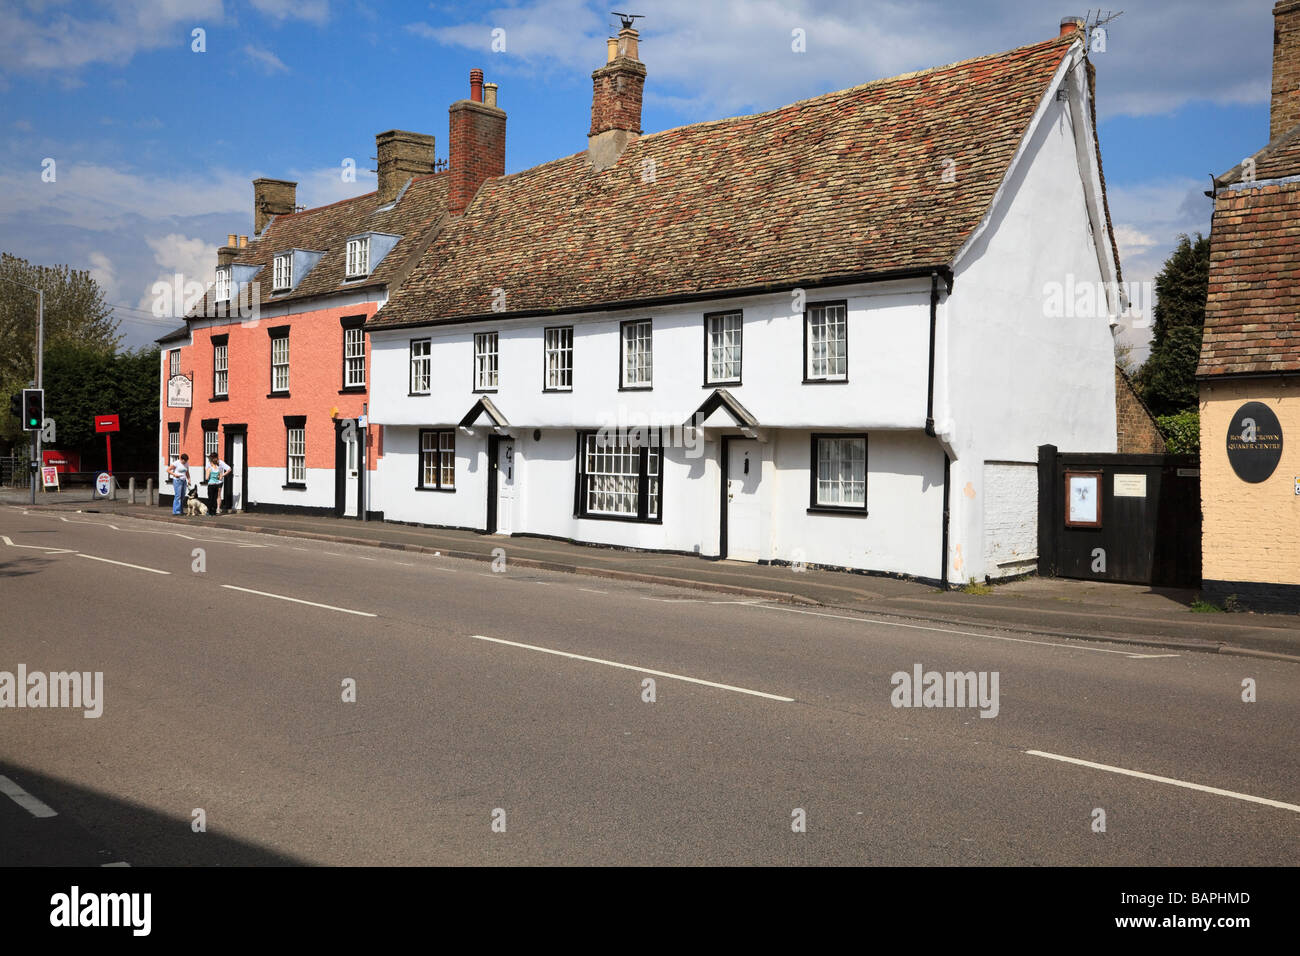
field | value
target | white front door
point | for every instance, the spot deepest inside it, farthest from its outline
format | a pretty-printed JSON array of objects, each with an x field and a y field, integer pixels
[
  {"x": 744, "y": 469},
  {"x": 351, "y": 475},
  {"x": 236, "y": 472},
  {"x": 505, "y": 486}
]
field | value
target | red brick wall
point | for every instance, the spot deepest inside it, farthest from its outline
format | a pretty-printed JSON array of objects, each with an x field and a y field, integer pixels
[
  {"x": 1135, "y": 430},
  {"x": 477, "y": 150},
  {"x": 616, "y": 95}
]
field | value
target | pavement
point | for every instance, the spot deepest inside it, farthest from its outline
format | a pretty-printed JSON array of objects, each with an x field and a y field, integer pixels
[
  {"x": 1045, "y": 607},
  {"x": 333, "y": 704}
]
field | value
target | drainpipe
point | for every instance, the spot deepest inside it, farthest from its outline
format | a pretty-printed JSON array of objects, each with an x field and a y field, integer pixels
[
  {"x": 929, "y": 391},
  {"x": 947, "y": 471}
]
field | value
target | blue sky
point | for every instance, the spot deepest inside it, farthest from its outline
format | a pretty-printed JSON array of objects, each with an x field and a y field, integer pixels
[{"x": 155, "y": 144}]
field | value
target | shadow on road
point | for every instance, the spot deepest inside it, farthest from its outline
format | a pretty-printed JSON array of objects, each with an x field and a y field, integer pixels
[{"x": 93, "y": 828}]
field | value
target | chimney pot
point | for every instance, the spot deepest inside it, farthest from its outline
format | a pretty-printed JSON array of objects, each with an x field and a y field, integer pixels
[
  {"x": 611, "y": 50},
  {"x": 243, "y": 242},
  {"x": 230, "y": 240},
  {"x": 490, "y": 94},
  {"x": 476, "y": 85},
  {"x": 627, "y": 43},
  {"x": 1070, "y": 25}
]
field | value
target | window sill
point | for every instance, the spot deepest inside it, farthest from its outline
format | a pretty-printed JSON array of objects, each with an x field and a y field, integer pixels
[
  {"x": 353, "y": 390},
  {"x": 219, "y": 398},
  {"x": 826, "y": 381},
  {"x": 294, "y": 486},
  {"x": 418, "y": 394},
  {"x": 731, "y": 382},
  {"x": 484, "y": 391},
  {"x": 443, "y": 490},
  {"x": 277, "y": 394},
  {"x": 635, "y": 388},
  {"x": 563, "y": 391},
  {"x": 846, "y": 512}
]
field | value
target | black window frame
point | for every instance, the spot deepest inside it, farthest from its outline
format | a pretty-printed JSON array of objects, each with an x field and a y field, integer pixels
[
  {"x": 643, "y": 486},
  {"x": 217, "y": 342},
  {"x": 345, "y": 323},
  {"x": 291, "y": 422},
  {"x": 273, "y": 333},
  {"x": 708, "y": 359},
  {"x": 419, "y": 461},
  {"x": 807, "y": 318},
  {"x": 410, "y": 367},
  {"x": 850, "y": 510},
  {"x": 622, "y": 356}
]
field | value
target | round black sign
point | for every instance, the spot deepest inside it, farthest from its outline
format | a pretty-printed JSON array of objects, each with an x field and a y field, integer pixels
[{"x": 1254, "y": 442}]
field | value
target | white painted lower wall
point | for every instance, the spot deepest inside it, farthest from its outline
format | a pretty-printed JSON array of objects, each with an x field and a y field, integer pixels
[
  {"x": 902, "y": 532},
  {"x": 266, "y": 487},
  {"x": 1010, "y": 518}
]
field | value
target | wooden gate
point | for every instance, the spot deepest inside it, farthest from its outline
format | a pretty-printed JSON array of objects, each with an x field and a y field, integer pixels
[{"x": 1128, "y": 518}]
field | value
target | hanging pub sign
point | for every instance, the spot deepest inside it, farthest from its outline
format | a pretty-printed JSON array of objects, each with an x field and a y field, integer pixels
[
  {"x": 180, "y": 391},
  {"x": 1254, "y": 442}
]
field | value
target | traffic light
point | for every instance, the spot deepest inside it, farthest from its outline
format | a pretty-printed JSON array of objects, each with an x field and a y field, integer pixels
[{"x": 33, "y": 409}]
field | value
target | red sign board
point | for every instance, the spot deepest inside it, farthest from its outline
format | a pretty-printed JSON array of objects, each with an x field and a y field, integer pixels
[{"x": 106, "y": 423}]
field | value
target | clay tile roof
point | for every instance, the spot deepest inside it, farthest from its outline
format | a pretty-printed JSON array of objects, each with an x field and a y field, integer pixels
[
  {"x": 845, "y": 184},
  {"x": 1252, "y": 314},
  {"x": 1279, "y": 159},
  {"x": 327, "y": 228}
]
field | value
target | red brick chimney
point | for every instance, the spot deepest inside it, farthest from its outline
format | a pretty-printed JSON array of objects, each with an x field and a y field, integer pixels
[
  {"x": 617, "y": 88},
  {"x": 1071, "y": 24},
  {"x": 272, "y": 197},
  {"x": 478, "y": 144},
  {"x": 1285, "y": 112}
]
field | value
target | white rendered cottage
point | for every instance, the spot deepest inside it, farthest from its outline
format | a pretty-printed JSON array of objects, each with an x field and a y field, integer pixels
[{"x": 854, "y": 303}]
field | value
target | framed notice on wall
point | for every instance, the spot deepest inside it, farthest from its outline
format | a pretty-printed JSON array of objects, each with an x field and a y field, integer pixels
[{"x": 1083, "y": 499}]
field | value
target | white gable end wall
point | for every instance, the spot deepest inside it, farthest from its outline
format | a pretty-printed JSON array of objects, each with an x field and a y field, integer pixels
[{"x": 1018, "y": 375}]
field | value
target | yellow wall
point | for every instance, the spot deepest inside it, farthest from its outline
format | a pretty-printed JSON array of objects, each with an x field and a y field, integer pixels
[{"x": 1250, "y": 532}]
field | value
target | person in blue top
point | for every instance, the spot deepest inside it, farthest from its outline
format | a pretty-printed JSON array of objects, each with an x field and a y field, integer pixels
[
  {"x": 179, "y": 472},
  {"x": 214, "y": 474}
]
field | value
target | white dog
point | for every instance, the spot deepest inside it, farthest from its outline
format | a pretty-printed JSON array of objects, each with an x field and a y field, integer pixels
[{"x": 194, "y": 506}]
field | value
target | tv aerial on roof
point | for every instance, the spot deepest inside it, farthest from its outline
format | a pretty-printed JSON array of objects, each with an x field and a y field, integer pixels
[{"x": 627, "y": 18}]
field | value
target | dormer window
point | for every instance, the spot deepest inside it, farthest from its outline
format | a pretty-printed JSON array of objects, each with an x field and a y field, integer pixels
[
  {"x": 283, "y": 272},
  {"x": 358, "y": 257},
  {"x": 222, "y": 293}
]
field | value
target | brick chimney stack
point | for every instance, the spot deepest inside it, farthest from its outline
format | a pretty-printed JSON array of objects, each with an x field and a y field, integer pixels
[
  {"x": 1285, "y": 113},
  {"x": 1071, "y": 24},
  {"x": 227, "y": 253},
  {"x": 617, "y": 88},
  {"x": 272, "y": 197},
  {"x": 402, "y": 155},
  {"x": 478, "y": 144}
]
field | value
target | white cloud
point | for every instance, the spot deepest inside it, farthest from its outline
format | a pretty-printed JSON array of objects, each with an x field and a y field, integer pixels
[
  {"x": 193, "y": 259},
  {"x": 265, "y": 59},
  {"x": 104, "y": 273},
  {"x": 715, "y": 59},
  {"x": 315, "y": 11},
  {"x": 44, "y": 38}
]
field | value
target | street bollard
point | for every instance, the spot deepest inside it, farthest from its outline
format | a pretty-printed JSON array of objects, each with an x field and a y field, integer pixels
[
  {"x": 148, "y": 493},
  {"x": 130, "y": 489}
]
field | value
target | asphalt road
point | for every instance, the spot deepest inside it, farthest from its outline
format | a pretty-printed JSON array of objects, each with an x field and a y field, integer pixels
[{"x": 518, "y": 697}]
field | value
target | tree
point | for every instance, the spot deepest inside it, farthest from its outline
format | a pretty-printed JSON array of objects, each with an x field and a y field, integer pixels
[
  {"x": 83, "y": 381},
  {"x": 75, "y": 312},
  {"x": 1167, "y": 381}
]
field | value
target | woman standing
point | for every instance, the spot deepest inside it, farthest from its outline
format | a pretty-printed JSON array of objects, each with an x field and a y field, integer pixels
[{"x": 215, "y": 475}]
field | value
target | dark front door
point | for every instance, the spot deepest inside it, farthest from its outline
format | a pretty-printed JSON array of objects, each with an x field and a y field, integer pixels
[
  {"x": 236, "y": 484},
  {"x": 493, "y": 451}
]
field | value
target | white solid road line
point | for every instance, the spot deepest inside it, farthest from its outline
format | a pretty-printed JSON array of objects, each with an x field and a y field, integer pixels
[
  {"x": 25, "y": 800},
  {"x": 945, "y": 630},
  {"x": 36, "y": 547},
  {"x": 1170, "y": 780},
  {"x": 138, "y": 567},
  {"x": 632, "y": 667},
  {"x": 281, "y": 597}
]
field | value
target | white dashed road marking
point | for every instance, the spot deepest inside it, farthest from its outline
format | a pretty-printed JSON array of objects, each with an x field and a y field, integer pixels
[
  {"x": 138, "y": 567},
  {"x": 25, "y": 800},
  {"x": 1169, "y": 780},
  {"x": 281, "y": 597},
  {"x": 633, "y": 667}
]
